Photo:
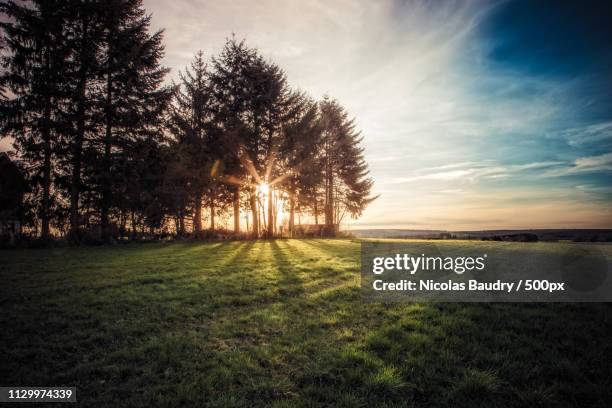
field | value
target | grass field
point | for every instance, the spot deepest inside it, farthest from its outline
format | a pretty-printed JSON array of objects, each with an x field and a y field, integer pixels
[{"x": 281, "y": 323}]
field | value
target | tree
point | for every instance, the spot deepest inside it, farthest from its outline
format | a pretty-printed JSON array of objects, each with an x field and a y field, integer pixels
[
  {"x": 232, "y": 84},
  {"x": 346, "y": 185},
  {"x": 82, "y": 94},
  {"x": 34, "y": 33},
  {"x": 143, "y": 198},
  {"x": 297, "y": 163},
  {"x": 252, "y": 100},
  {"x": 191, "y": 124},
  {"x": 277, "y": 105},
  {"x": 84, "y": 30},
  {"x": 174, "y": 189},
  {"x": 13, "y": 186},
  {"x": 132, "y": 99}
]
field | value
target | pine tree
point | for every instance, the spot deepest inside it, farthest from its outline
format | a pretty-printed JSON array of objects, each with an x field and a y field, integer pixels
[
  {"x": 275, "y": 105},
  {"x": 143, "y": 200},
  {"x": 34, "y": 34},
  {"x": 191, "y": 124},
  {"x": 132, "y": 99},
  {"x": 84, "y": 30},
  {"x": 174, "y": 189},
  {"x": 233, "y": 75},
  {"x": 299, "y": 173},
  {"x": 346, "y": 185}
]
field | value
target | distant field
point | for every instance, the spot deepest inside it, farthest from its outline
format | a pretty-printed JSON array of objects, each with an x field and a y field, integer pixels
[{"x": 282, "y": 323}]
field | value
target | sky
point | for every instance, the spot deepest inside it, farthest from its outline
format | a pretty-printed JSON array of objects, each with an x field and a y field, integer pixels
[{"x": 474, "y": 114}]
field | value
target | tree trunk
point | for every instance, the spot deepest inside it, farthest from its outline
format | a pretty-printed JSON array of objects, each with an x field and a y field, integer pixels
[
  {"x": 77, "y": 150},
  {"x": 316, "y": 211},
  {"x": 77, "y": 147},
  {"x": 270, "y": 214},
  {"x": 237, "y": 210},
  {"x": 133, "y": 221},
  {"x": 46, "y": 186},
  {"x": 212, "y": 213},
  {"x": 255, "y": 212},
  {"x": 329, "y": 200},
  {"x": 106, "y": 188},
  {"x": 197, "y": 221},
  {"x": 46, "y": 135},
  {"x": 181, "y": 223},
  {"x": 291, "y": 216},
  {"x": 46, "y": 198},
  {"x": 262, "y": 214},
  {"x": 122, "y": 223}
]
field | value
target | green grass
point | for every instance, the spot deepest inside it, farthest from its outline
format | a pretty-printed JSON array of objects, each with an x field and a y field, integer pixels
[{"x": 281, "y": 323}]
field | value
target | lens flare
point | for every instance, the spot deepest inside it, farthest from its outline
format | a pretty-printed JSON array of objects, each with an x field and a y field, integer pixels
[{"x": 264, "y": 188}]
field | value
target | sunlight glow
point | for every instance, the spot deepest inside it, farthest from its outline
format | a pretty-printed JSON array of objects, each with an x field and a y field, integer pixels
[{"x": 264, "y": 188}]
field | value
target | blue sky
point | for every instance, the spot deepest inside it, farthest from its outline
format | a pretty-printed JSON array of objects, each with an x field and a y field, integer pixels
[{"x": 475, "y": 114}]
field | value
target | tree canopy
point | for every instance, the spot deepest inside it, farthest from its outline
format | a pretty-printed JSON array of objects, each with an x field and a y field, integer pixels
[{"x": 112, "y": 150}]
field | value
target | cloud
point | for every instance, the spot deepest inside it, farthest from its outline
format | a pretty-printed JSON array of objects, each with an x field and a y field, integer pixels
[
  {"x": 452, "y": 137},
  {"x": 588, "y": 134},
  {"x": 498, "y": 208},
  {"x": 583, "y": 165},
  {"x": 439, "y": 118},
  {"x": 474, "y": 171},
  {"x": 442, "y": 175}
]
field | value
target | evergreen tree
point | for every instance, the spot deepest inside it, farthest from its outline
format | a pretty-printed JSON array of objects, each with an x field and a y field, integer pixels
[
  {"x": 34, "y": 34},
  {"x": 191, "y": 124},
  {"x": 175, "y": 187},
  {"x": 82, "y": 95},
  {"x": 233, "y": 84},
  {"x": 346, "y": 185},
  {"x": 142, "y": 200},
  {"x": 13, "y": 187},
  {"x": 84, "y": 30},
  {"x": 132, "y": 99},
  {"x": 297, "y": 163},
  {"x": 273, "y": 105}
]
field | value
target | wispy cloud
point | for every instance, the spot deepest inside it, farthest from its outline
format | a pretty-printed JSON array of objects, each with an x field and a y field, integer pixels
[
  {"x": 473, "y": 171},
  {"x": 583, "y": 165},
  {"x": 453, "y": 140},
  {"x": 588, "y": 134},
  {"x": 446, "y": 130}
]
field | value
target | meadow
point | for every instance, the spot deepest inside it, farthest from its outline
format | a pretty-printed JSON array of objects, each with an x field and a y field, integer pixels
[{"x": 282, "y": 323}]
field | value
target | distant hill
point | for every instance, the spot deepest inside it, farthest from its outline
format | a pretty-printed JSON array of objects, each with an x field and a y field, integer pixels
[
  {"x": 394, "y": 233},
  {"x": 542, "y": 234}
]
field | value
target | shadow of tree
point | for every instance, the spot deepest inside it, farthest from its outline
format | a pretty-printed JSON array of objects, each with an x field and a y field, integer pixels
[
  {"x": 290, "y": 284},
  {"x": 262, "y": 323}
]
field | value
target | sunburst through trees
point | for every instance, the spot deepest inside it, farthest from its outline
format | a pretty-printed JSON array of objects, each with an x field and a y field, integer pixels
[{"x": 109, "y": 151}]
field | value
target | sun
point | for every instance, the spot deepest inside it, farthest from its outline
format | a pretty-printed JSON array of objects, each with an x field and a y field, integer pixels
[{"x": 264, "y": 188}]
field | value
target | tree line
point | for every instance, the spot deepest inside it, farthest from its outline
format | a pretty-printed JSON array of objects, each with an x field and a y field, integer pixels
[{"x": 108, "y": 147}]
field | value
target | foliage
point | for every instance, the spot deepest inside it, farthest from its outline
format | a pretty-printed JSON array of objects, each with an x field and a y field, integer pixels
[{"x": 109, "y": 147}]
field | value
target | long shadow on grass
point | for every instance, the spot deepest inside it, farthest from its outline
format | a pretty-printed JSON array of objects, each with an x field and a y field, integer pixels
[
  {"x": 290, "y": 283},
  {"x": 325, "y": 279},
  {"x": 323, "y": 276},
  {"x": 331, "y": 247},
  {"x": 242, "y": 249}
]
